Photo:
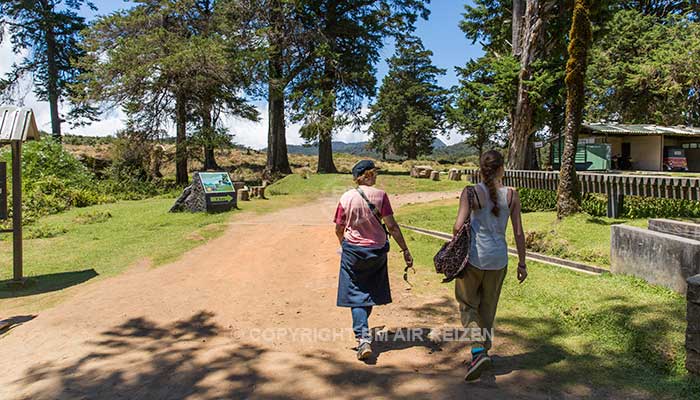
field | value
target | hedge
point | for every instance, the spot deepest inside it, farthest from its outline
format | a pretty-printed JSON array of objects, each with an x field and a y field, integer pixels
[{"x": 597, "y": 205}]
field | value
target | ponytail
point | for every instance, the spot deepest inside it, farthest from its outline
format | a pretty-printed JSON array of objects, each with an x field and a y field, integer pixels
[{"x": 490, "y": 164}]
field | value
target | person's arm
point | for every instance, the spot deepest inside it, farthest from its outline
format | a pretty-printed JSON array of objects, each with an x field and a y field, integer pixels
[
  {"x": 340, "y": 232},
  {"x": 519, "y": 235},
  {"x": 395, "y": 231},
  {"x": 464, "y": 210}
]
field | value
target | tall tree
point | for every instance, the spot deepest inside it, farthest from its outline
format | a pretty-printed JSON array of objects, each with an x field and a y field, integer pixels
[
  {"x": 568, "y": 193},
  {"x": 477, "y": 108},
  {"x": 154, "y": 62},
  {"x": 410, "y": 107},
  {"x": 282, "y": 47},
  {"x": 329, "y": 93},
  {"x": 48, "y": 32}
]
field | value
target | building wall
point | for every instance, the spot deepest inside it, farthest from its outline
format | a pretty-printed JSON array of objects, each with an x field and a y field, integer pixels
[{"x": 646, "y": 152}]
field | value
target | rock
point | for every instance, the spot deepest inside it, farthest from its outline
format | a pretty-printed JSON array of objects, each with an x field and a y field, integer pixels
[
  {"x": 192, "y": 198},
  {"x": 435, "y": 175},
  {"x": 454, "y": 175}
]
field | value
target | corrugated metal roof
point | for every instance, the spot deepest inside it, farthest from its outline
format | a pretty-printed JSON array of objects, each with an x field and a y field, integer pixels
[
  {"x": 639, "y": 130},
  {"x": 17, "y": 123}
]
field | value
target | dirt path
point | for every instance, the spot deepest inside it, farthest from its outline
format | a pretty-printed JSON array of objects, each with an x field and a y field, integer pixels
[{"x": 221, "y": 323}]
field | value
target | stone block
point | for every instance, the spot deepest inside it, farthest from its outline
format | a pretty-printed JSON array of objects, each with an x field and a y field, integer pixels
[
  {"x": 692, "y": 362},
  {"x": 677, "y": 228},
  {"x": 421, "y": 171},
  {"x": 244, "y": 194},
  {"x": 692, "y": 341},
  {"x": 454, "y": 175},
  {"x": 435, "y": 175},
  {"x": 658, "y": 258},
  {"x": 693, "y": 293},
  {"x": 693, "y": 318}
]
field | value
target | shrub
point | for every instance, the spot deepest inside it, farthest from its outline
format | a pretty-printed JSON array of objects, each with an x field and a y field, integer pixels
[{"x": 597, "y": 205}]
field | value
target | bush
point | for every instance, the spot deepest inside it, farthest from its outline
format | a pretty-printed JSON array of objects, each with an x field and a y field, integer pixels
[{"x": 597, "y": 205}]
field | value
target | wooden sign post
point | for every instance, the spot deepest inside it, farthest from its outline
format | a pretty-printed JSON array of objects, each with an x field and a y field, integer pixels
[{"x": 16, "y": 126}]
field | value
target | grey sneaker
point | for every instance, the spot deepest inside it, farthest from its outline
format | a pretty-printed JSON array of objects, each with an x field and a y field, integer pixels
[
  {"x": 479, "y": 364},
  {"x": 364, "y": 350}
]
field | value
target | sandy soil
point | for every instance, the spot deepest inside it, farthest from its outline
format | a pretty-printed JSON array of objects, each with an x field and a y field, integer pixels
[{"x": 222, "y": 322}]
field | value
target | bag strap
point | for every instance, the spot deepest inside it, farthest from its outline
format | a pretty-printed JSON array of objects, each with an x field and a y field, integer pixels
[
  {"x": 510, "y": 198},
  {"x": 475, "y": 195},
  {"x": 375, "y": 211}
]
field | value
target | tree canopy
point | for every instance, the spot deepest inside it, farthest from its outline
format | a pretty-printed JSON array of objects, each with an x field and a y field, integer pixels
[
  {"x": 409, "y": 111},
  {"x": 49, "y": 32}
]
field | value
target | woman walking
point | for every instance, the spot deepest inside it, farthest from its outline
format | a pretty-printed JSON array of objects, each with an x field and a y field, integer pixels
[
  {"x": 478, "y": 287},
  {"x": 364, "y": 279}
]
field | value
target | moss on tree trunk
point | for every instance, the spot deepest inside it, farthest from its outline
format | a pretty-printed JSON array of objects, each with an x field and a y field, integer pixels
[{"x": 569, "y": 193}]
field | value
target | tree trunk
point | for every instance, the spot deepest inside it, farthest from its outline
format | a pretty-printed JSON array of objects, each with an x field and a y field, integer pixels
[
  {"x": 52, "y": 84},
  {"x": 568, "y": 194},
  {"x": 526, "y": 36},
  {"x": 325, "y": 135},
  {"x": 277, "y": 159},
  {"x": 208, "y": 131},
  {"x": 181, "y": 175}
]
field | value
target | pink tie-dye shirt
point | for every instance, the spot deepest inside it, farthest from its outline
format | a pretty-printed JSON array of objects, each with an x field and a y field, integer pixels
[{"x": 361, "y": 226}]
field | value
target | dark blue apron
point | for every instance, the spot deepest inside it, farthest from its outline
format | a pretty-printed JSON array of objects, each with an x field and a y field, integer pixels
[{"x": 364, "y": 277}]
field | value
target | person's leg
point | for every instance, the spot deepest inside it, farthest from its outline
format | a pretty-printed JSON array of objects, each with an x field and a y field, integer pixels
[
  {"x": 491, "y": 292},
  {"x": 468, "y": 295},
  {"x": 360, "y": 323},
  {"x": 360, "y": 326}
]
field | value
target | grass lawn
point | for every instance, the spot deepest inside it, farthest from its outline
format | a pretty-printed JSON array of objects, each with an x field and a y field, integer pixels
[
  {"x": 610, "y": 332},
  {"x": 580, "y": 237}
]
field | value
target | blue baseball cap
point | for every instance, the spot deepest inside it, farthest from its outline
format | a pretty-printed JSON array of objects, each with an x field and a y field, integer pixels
[{"x": 362, "y": 166}]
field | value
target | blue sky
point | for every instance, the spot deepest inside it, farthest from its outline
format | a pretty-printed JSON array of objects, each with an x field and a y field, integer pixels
[{"x": 440, "y": 33}]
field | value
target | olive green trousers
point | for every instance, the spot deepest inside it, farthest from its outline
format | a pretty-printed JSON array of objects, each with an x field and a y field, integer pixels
[{"x": 477, "y": 292}]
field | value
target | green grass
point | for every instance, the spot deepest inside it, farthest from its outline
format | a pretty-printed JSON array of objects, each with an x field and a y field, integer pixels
[
  {"x": 612, "y": 333},
  {"x": 580, "y": 237}
]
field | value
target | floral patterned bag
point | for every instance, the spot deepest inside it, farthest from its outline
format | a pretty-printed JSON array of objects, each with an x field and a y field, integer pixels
[{"x": 454, "y": 255}]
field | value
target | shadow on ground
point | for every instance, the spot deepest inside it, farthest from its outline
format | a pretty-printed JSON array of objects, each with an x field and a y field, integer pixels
[
  {"x": 8, "y": 324},
  {"x": 45, "y": 283},
  {"x": 197, "y": 358}
]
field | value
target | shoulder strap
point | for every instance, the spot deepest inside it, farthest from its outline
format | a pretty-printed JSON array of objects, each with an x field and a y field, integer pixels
[
  {"x": 475, "y": 194},
  {"x": 510, "y": 198},
  {"x": 372, "y": 207}
]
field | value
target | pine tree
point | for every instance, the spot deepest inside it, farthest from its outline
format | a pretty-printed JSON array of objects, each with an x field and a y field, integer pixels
[
  {"x": 49, "y": 32},
  {"x": 410, "y": 107},
  {"x": 329, "y": 93}
]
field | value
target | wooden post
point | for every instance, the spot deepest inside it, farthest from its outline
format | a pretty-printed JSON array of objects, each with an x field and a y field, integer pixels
[{"x": 17, "y": 211}]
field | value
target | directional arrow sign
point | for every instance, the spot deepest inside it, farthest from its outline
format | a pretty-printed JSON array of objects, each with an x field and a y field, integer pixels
[{"x": 219, "y": 199}]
